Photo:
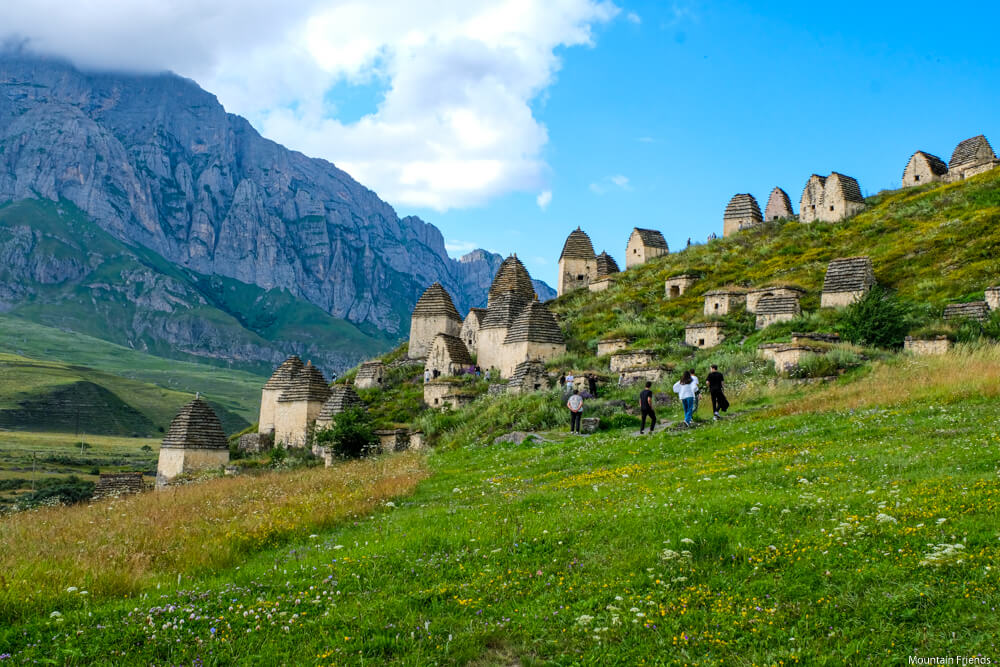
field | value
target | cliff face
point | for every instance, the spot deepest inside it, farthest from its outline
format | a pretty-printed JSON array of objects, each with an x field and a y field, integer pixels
[{"x": 156, "y": 161}]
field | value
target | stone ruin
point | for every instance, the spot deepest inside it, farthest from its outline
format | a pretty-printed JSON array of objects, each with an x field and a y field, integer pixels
[
  {"x": 847, "y": 280},
  {"x": 924, "y": 168},
  {"x": 777, "y": 308},
  {"x": 644, "y": 245},
  {"x": 195, "y": 441},
  {"x": 117, "y": 484},
  {"x": 974, "y": 310},
  {"x": 779, "y": 206},
  {"x": 280, "y": 380},
  {"x": 611, "y": 345},
  {"x": 993, "y": 298},
  {"x": 972, "y": 156},
  {"x": 786, "y": 357},
  {"x": 470, "y": 329},
  {"x": 677, "y": 285},
  {"x": 704, "y": 335},
  {"x": 370, "y": 375},
  {"x": 448, "y": 356},
  {"x": 577, "y": 263},
  {"x": 654, "y": 374},
  {"x": 342, "y": 398},
  {"x": 529, "y": 376},
  {"x": 724, "y": 301},
  {"x": 607, "y": 271},
  {"x": 830, "y": 199},
  {"x": 815, "y": 337},
  {"x": 509, "y": 293},
  {"x": 434, "y": 313},
  {"x": 441, "y": 394},
  {"x": 742, "y": 212},
  {"x": 755, "y": 295},
  {"x": 627, "y": 359},
  {"x": 255, "y": 443},
  {"x": 927, "y": 346},
  {"x": 299, "y": 406},
  {"x": 534, "y": 335}
]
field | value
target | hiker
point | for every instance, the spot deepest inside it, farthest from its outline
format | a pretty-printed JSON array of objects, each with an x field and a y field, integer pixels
[
  {"x": 697, "y": 391},
  {"x": 621, "y": 379},
  {"x": 646, "y": 408},
  {"x": 719, "y": 401},
  {"x": 562, "y": 383},
  {"x": 427, "y": 375},
  {"x": 592, "y": 384},
  {"x": 575, "y": 405},
  {"x": 685, "y": 389}
]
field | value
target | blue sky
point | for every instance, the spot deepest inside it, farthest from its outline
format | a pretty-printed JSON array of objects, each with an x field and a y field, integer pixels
[{"x": 694, "y": 106}]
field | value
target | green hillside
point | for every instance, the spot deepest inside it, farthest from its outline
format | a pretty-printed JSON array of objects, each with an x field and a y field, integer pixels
[{"x": 66, "y": 272}]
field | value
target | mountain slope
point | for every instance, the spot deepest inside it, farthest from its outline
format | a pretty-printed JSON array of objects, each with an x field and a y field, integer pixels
[{"x": 157, "y": 162}]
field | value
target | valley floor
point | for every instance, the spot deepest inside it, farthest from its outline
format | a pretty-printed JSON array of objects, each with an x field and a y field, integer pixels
[{"x": 865, "y": 535}]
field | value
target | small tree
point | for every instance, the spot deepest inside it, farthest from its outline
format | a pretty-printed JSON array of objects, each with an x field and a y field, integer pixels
[
  {"x": 351, "y": 436},
  {"x": 878, "y": 319}
]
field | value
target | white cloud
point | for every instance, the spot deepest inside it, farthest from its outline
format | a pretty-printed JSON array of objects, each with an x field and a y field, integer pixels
[
  {"x": 544, "y": 199},
  {"x": 603, "y": 186},
  {"x": 454, "y": 127},
  {"x": 632, "y": 17},
  {"x": 621, "y": 181},
  {"x": 646, "y": 140},
  {"x": 456, "y": 247}
]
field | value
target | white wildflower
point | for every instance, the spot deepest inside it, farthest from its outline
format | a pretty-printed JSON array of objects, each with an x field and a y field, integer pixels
[{"x": 885, "y": 518}]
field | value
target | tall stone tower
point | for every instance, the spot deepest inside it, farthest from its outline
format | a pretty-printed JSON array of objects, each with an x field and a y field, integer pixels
[
  {"x": 434, "y": 313},
  {"x": 280, "y": 380},
  {"x": 510, "y": 292},
  {"x": 577, "y": 263}
]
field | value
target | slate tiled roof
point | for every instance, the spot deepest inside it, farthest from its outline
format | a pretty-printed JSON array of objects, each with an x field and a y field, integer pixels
[
  {"x": 935, "y": 163},
  {"x": 968, "y": 151},
  {"x": 535, "y": 324},
  {"x": 342, "y": 398},
  {"x": 848, "y": 187},
  {"x": 436, "y": 302},
  {"x": 606, "y": 265},
  {"x": 577, "y": 246},
  {"x": 731, "y": 290},
  {"x": 503, "y": 311},
  {"x": 527, "y": 371},
  {"x": 113, "y": 484},
  {"x": 772, "y": 288},
  {"x": 455, "y": 348},
  {"x": 309, "y": 385},
  {"x": 778, "y": 305},
  {"x": 370, "y": 370},
  {"x": 705, "y": 325},
  {"x": 477, "y": 315},
  {"x": 285, "y": 373},
  {"x": 650, "y": 238},
  {"x": 975, "y": 310},
  {"x": 742, "y": 206},
  {"x": 849, "y": 274},
  {"x": 779, "y": 206},
  {"x": 196, "y": 426},
  {"x": 512, "y": 277}
]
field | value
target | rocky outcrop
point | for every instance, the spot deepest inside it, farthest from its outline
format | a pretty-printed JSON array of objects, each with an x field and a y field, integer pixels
[{"x": 156, "y": 161}]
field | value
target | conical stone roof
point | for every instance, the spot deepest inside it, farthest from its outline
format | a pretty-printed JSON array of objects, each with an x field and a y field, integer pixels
[
  {"x": 742, "y": 206},
  {"x": 778, "y": 305},
  {"x": 196, "y": 426},
  {"x": 285, "y": 373},
  {"x": 535, "y": 324},
  {"x": 342, "y": 398},
  {"x": 849, "y": 274},
  {"x": 779, "y": 206},
  {"x": 309, "y": 385},
  {"x": 503, "y": 311},
  {"x": 511, "y": 277},
  {"x": 969, "y": 151},
  {"x": 934, "y": 163},
  {"x": 577, "y": 246},
  {"x": 606, "y": 265},
  {"x": 436, "y": 302}
]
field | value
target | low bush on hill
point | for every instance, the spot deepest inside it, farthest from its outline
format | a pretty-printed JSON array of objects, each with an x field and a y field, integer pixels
[
  {"x": 879, "y": 319},
  {"x": 351, "y": 435}
]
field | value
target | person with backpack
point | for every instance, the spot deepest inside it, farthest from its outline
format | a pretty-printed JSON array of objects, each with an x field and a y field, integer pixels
[
  {"x": 719, "y": 401},
  {"x": 685, "y": 389},
  {"x": 575, "y": 405},
  {"x": 646, "y": 408}
]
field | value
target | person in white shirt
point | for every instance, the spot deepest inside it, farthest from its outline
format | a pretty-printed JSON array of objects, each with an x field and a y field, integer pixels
[
  {"x": 427, "y": 375},
  {"x": 569, "y": 380},
  {"x": 575, "y": 405},
  {"x": 685, "y": 390},
  {"x": 697, "y": 390}
]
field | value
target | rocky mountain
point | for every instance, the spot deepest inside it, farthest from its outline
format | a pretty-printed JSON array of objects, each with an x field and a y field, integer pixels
[{"x": 156, "y": 162}]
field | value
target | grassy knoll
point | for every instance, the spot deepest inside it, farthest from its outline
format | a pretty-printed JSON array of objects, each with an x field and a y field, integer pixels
[{"x": 855, "y": 533}]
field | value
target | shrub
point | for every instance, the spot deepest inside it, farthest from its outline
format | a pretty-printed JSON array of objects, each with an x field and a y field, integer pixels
[
  {"x": 351, "y": 436},
  {"x": 878, "y": 319},
  {"x": 620, "y": 420}
]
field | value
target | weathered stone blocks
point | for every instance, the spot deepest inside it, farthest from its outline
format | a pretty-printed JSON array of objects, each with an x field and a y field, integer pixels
[
  {"x": 677, "y": 285},
  {"x": 927, "y": 346},
  {"x": 705, "y": 335}
]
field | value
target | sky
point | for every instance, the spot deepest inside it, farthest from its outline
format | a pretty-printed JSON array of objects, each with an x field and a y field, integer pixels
[{"x": 508, "y": 123}]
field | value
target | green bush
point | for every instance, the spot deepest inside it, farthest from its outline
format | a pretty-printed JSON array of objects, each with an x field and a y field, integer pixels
[
  {"x": 879, "y": 319},
  {"x": 620, "y": 420},
  {"x": 351, "y": 436}
]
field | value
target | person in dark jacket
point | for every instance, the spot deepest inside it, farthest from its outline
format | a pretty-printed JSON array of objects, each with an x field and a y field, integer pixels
[
  {"x": 715, "y": 381},
  {"x": 592, "y": 384},
  {"x": 646, "y": 408}
]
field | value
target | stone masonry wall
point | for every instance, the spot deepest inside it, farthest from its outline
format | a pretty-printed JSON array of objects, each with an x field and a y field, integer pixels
[{"x": 926, "y": 347}]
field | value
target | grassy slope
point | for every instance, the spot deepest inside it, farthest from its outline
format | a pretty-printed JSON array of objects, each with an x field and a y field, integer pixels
[{"x": 753, "y": 541}]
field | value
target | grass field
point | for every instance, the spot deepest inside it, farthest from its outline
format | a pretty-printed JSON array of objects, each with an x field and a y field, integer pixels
[{"x": 852, "y": 533}]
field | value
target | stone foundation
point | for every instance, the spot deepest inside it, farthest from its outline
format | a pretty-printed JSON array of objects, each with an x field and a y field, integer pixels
[
  {"x": 294, "y": 421},
  {"x": 393, "y": 440},
  {"x": 676, "y": 286},
  {"x": 927, "y": 346},
  {"x": 175, "y": 461},
  {"x": 723, "y": 302},
  {"x": 602, "y": 284},
  {"x": 442, "y": 395},
  {"x": 117, "y": 484},
  {"x": 654, "y": 374},
  {"x": 787, "y": 357},
  {"x": 766, "y": 320},
  {"x": 993, "y": 298},
  {"x": 255, "y": 443},
  {"x": 631, "y": 359}
]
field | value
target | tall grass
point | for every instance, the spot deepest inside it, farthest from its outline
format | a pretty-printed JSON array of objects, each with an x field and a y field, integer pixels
[{"x": 122, "y": 546}]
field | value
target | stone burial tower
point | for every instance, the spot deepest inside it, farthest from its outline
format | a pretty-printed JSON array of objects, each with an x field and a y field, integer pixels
[
  {"x": 195, "y": 441},
  {"x": 924, "y": 168},
  {"x": 644, "y": 245},
  {"x": 847, "y": 280},
  {"x": 742, "y": 212},
  {"x": 299, "y": 406},
  {"x": 779, "y": 206},
  {"x": 577, "y": 263},
  {"x": 280, "y": 380},
  {"x": 434, "y": 313},
  {"x": 533, "y": 336},
  {"x": 972, "y": 156},
  {"x": 510, "y": 292}
]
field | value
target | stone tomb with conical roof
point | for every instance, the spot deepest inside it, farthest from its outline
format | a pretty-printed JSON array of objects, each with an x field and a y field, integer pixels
[
  {"x": 841, "y": 198},
  {"x": 528, "y": 376},
  {"x": 972, "y": 156},
  {"x": 924, "y": 168},
  {"x": 511, "y": 277},
  {"x": 534, "y": 336},
  {"x": 847, "y": 280},
  {"x": 448, "y": 356},
  {"x": 577, "y": 263},
  {"x": 607, "y": 273},
  {"x": 644, "y": 245},
  {"x": 811, "y": 203},
  {"x": 280, "y": 380},
  {"x": 434, "y": 313},
  {"x": 774, "y": 308},
  {"x": 470, "y": 329},
  {"x": 779, "y": 206},
  {"x": 342, "y": 398},
  {"x": 195, "y": 441},
  {"x": 742, "y": 212},
  {"x": 298, "y": 407},
  {"x": 370, "y": 375}
]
